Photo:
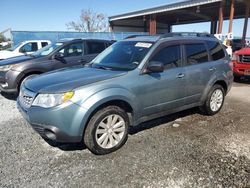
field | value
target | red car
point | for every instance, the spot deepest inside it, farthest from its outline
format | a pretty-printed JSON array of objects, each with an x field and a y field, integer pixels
[{"x": 241, "y": 63}]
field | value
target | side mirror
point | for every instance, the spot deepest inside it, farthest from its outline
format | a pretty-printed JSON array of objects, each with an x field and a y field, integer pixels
[
  {"x": 58, "y": 56},
  {"x": 155, "y": 66}
]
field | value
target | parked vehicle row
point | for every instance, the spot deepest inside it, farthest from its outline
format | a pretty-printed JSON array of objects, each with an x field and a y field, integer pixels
[
  {"x": 26, "y": 47},
  {"x": 64, "y": 53},
  {"x": 132, "y": 81}
]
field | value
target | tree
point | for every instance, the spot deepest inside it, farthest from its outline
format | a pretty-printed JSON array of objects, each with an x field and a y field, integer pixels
[
  {"x": 2, "y": 38},
  {"x": 89, "y": 22}
]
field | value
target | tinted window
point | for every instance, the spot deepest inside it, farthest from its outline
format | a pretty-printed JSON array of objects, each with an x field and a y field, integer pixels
[
  {"x": 216, "y": 50},
  {"x": 29, "y": 47},
  {"x": 70, "y": 50},
  {"x": 95, "y": 47},
  {"x": 44, "y": 44},
  {"x": 169, "y": 56},
  {"x": 196, "y": 53}
]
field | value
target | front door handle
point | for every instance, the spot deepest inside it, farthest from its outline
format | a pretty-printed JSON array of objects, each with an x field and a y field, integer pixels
[
  {"x": 181, "y": 75},
  {"x": 212, "y": 69},
  {"x": 82, "y": 61}
]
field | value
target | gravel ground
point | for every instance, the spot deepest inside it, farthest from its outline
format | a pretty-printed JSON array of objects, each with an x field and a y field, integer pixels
[{"x": 181, "y": 150}]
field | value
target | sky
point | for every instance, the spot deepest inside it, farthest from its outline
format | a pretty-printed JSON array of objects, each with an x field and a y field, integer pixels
[{"x": 52, "y": 15}]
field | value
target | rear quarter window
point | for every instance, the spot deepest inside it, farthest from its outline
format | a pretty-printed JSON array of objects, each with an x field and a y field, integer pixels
[
  {"x": 216, "y": 50},
  {"x": 44, "y": 44},
  {"x": 95, "y": 47}
]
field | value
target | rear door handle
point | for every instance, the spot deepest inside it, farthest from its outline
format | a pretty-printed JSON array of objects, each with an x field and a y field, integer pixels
[
  {"x": 181, "y": 75},
  {"x": 212, "y": 69}
]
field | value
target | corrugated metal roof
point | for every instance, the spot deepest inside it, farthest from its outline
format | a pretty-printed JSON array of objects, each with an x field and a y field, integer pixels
[{"x": 164, "y": 8}]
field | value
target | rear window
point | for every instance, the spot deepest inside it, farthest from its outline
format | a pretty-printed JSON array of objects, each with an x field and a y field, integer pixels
[
  {"x": 196, "y": 53},
  {"x": 216, "y": 50}
]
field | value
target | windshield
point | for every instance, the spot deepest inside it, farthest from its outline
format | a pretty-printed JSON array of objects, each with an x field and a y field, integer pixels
[
  {"x": 15, "y": 47},
  {"x": 125, "y": 55},
  {"x": 47, "y": 49}
]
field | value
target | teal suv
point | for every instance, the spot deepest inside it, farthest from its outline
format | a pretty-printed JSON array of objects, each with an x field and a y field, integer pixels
[{"x": 132, "y": 81}]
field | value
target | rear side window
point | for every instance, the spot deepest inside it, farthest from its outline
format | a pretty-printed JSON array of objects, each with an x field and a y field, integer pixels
[
  {"x": 196, "y": 53},
  {"x": 29, "y": 47},
  {"x": 170, "y": 56},
  {"x": 95, "y": 47},
  {"x": 216, "y": 50},
  {"x": 71, "y": 50},
  {"x": 44, "y": 44}
]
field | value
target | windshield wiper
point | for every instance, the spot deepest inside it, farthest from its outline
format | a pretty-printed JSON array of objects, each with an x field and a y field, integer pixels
[{"x": 102, "y": 67}]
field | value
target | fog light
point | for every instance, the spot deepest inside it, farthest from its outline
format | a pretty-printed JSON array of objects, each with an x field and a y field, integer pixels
[
  {"x": 50, "y": 134},
  {"x": 5, "y": 85}
]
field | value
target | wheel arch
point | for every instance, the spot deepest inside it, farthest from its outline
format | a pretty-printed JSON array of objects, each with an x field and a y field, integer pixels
[{"x": 120, "y": 102}]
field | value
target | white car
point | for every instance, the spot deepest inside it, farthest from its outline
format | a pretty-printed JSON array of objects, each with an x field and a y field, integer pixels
[{"x": 26, "y": 47}]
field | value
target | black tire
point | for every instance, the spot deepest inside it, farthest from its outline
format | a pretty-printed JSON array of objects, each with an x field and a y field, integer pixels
[
  {"x": 206, "y": 108},
  {"x": 90, "y": 137}
]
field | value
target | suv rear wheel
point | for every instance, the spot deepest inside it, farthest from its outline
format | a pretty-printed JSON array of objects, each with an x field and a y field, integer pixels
[
  {"x": 214, "y": 101},
  {"x": 107, "y": 130}
]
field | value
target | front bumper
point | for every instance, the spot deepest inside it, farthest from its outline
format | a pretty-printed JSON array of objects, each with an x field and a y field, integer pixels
[
  {"x": 63, "y": 123},
  {"x": 7, "y": 82},
  {"x": 240, "y": 69}
]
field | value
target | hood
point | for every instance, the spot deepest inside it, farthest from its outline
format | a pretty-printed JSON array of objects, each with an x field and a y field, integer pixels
[
  {"x": 15, "y": 60},
  {"x": 69, "y": 79},
  {"x": 4, "y": 54},
  {"x": 243, "y": 51}
]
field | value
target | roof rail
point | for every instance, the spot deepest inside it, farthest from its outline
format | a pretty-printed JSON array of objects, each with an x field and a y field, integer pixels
[
  {"x": 134, "y": 36},
  {"x": 186, "y": 34}
]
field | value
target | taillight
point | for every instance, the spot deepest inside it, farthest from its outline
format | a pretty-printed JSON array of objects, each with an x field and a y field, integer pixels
[
  {"x": 231, "y": 64},
  {"x": 236, "y": 58}
]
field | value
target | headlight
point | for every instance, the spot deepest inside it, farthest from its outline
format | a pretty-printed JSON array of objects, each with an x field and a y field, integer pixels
[
  {"x": 5, "y": 68},
  {"x": 51, "y": 100}
]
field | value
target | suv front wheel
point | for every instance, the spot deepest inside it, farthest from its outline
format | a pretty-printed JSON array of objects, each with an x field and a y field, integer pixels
[
  {"x": 107, "y": 130},
  {"x": 214, "y": 101}
]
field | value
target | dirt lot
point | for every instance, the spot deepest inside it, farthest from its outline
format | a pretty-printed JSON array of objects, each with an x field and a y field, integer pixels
[{"x": 198, "y": 151}]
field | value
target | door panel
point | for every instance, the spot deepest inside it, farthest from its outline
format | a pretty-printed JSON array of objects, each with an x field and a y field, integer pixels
[
  {"x": 199, "y": 70},
  {"x": 162, "y": 91}
]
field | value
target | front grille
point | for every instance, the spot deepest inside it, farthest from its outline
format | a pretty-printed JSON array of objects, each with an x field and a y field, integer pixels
[
  {"x": 26, "y": 97},
  {"x": 245, "y": 58}
]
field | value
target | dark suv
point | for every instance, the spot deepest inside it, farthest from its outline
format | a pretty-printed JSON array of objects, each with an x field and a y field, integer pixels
[
  {"x": 64, "y": 53},
  {"x": 132, "y": 81}
]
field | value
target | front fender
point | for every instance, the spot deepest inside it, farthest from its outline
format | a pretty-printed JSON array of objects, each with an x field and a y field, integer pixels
[{"x": 101, "y": 97}]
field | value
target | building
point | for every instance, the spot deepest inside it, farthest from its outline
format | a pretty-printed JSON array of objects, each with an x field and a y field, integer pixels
[{"x": 161, "y": 19}]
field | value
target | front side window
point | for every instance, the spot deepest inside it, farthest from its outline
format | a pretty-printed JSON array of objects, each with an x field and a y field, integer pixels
[
  {"x": 29, "y": 47},
  {"x": 95, "y": 47},
  {"x": 216, "y": 50},
  {"x": 47, "y": 49},
  {"x": 170, "y": 56},
  {"x": 75, "y": 49},
  {"x": 125, "y": 55},
  {"x": 196, "y": 53}
]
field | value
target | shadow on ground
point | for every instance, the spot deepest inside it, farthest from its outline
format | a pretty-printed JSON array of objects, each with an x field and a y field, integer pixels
[
  {"x": 132, "y": 130},
  {"x": 9, "y": 96},
  {"x": 242, "y": 80}
]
